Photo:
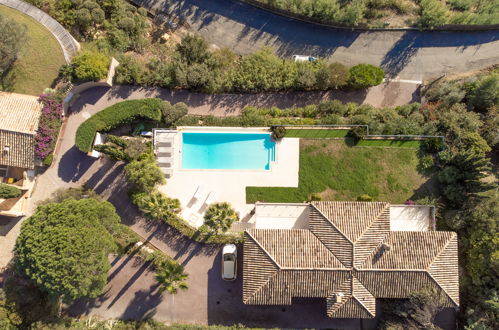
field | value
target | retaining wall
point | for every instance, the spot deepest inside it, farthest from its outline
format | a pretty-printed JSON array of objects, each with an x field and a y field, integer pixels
[{"x": 68, "y": 44}]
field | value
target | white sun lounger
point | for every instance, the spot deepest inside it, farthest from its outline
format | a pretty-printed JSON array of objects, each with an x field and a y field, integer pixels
[
  {"x": 199, "y": 193},
  {"x": 210, "y": 199}
]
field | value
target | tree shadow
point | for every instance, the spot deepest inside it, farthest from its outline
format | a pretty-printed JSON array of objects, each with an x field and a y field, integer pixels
[
  {"x": 91, "y": 96},
  {"x": 74, "y": 164},
  {"x": 143, "y": 305},
  {"x": 400, "y": 54}
]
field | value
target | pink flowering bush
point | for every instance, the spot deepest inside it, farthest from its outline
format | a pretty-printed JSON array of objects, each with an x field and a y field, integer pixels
[{"x": 49, "y": 125}]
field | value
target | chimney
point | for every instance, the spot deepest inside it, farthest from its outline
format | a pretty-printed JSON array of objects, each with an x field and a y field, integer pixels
[
  {"x": 339, "y": 297},
  {"x": 386, "y": 247},
  {"x": 6, "y": 149}
]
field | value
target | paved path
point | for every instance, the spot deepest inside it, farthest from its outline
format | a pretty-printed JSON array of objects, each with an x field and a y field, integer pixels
[
  {"x": 386, "y": 94},
  {"x": 410, "y": 55}
]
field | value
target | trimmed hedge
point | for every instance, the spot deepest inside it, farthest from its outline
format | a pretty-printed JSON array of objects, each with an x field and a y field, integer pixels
[
  {"x": 9, "y": 191},
  {"x": 114, "y": 116}
]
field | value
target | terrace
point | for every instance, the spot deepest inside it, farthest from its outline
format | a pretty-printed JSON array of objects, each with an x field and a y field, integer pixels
[{"x": 220, "y": 179}]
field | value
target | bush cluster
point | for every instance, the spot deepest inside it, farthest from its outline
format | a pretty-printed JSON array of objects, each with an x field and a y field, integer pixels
[
  {"x": 88, "y": 66},
  {"x": 193, "y": 66},
  {"x": 49, "y": 126},
  {"x": 372, "y": 13},
  {"x": 114, "y": 116},
  {"x": 9, "y": 191},
  {"x": 115, "y": 24}
]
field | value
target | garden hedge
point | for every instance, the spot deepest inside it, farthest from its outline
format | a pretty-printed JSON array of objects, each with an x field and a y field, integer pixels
[
  {"x": 9, "y": 191},
  {"x": 114, "y": 116}
]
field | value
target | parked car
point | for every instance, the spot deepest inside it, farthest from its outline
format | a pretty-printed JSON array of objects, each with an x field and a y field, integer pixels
[
  {"x": 304, "y": 58},
  {"x": 229, "y": 262}
]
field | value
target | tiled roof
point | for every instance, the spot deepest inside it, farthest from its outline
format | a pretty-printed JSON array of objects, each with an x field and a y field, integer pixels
[
  {"x": 19, "y": 113},
  {"x": 21, "y": 149},
  {"x": 353, "y": 255}
]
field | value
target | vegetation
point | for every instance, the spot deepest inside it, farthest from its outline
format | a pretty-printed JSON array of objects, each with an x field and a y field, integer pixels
[
  {"x": 171, "y": 277},
  {"x": 30, "y": 55},
  {"x": 336, "y": 171},
  {"x": 365, "y": 75},
  {"x": 63, "y": 247},
  {"x": 469, "y": 126},
  {"x": 156, "y": 205},
  {"x": 89, "y": 66},
  {"x": 114, "y": 24},
  {"x": 219, "y": 217},
  {"x": 144, "y": 173},
  {"x": 172, "y": 113},
  {"x": 9, "y": 191},
  {"x": 375, "y": 13},
  {"x": 12, "y": 38},
  {"x": 49, "y": 125},
  {"x": 193, "y": 66},
  {"x": 114, "y": 116},
  {"x": 418, "y": 312},
  {"x": 278, "y": 132}
]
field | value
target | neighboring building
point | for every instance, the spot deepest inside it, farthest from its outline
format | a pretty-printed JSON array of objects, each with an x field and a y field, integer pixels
[
  {"x": 347, "y": 254},
  {"x": 19, "y": 116}
]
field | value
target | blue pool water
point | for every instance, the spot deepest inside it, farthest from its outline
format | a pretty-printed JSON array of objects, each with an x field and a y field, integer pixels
[{"x": 235, "y": 151}]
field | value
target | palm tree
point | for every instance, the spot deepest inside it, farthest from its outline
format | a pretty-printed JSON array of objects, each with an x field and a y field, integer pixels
[
  {"x": 220, "y": 216},
  {"x": 171, "y": 277},
  {"x": 159, "y": 206}
]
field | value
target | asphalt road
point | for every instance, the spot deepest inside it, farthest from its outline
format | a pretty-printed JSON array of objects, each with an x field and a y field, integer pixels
[{"x": 410, "y": 55}]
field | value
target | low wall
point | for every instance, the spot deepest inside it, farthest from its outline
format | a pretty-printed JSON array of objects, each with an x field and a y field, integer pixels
[
  {"x": 308, "y": 19},
  {"x": 68, "y": 44},
  {"x": 75, "y": 92}
]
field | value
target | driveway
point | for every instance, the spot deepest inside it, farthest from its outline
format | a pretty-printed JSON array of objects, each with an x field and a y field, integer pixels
[{"x": 408, "y": 54}]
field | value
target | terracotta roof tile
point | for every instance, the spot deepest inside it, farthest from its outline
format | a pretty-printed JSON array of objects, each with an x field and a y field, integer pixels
[{"x": 362, "y": 264}]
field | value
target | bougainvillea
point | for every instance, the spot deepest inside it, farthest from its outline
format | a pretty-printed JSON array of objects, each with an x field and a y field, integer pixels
[{"x": 49, "y": 124}]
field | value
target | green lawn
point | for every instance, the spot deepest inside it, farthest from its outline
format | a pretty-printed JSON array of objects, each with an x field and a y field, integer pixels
[
  {"x": 316, "y": 133},
  {"x": 390, "y": 143},
  {"x": 337, "y": 171},
  {"x": 39, "y": 63}
]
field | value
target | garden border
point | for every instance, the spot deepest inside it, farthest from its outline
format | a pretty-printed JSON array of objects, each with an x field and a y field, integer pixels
[
  {"x": 367, "y": 136},
  {"x": 311, "y": 20},
  {"x": 67, "y": 42}
]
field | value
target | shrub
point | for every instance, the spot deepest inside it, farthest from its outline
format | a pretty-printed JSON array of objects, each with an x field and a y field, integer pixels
[
  {"x": 484, "y": 93},
  {"x": 49, "y": 125},
  {"x": 278, "y": 132},
  {"x": 172, "y": 113},
  {"x": 47, "y": 161},
  {"x": 364, "y": 198},
  {"x": 144, "y": 173},
  {"x": 357, "y": 133},
  {"x": 220, "y": 216},
  {"x": 112, "y": 152},
  {"x": 315, "y": 197},
  {"x": 90, "y": 66},
  {"x": 433, "y": 14},
  {"x": 114, "y": 116},
  {"x": 9, "y": 191},
  {"x": 365, "y": 75}
]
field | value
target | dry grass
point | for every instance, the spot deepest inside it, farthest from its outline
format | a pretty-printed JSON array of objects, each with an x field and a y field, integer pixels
[{"x": 39, "y": 63}]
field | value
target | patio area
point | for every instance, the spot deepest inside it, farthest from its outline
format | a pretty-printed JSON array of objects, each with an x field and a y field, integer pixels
[{"x": 197, "y": 188}]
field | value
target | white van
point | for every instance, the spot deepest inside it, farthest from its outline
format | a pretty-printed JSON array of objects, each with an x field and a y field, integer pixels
[{"x": 304, "y": 58}]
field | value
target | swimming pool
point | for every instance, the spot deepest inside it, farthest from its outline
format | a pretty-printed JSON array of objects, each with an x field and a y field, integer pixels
[{"x": 234, "y": 151}]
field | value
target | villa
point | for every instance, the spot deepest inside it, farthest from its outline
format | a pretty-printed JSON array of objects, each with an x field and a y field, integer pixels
[
  {"x": 349, "y": 253},
  {"x": 19, "y": 116}
]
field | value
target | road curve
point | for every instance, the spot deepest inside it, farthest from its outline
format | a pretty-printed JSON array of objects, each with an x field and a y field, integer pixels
[{"x": 412, "y": 55}]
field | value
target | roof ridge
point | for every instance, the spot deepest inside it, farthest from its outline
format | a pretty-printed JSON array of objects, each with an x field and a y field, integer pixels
[
  {"x": 264, "y": 284},
  {"x": 263, "y": 249},
  {"x": 330, "y": 252},
  {"x": 363, "y": 306},
  {"x": 452, "y": 236},
  {"x": 332, "y": 224},
  {"x": 387, "y": 207}
]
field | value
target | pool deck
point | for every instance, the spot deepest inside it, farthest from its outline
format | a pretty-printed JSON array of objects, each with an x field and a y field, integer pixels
[{"x": 228, "y": 185}]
